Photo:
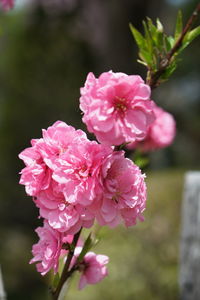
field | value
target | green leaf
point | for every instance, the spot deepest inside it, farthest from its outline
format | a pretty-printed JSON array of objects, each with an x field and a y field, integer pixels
[
  {"x": 156, "y": 35},
  {"x": 190, "y": 36},
  {"x": 146, "y": 57},
  {"x": 152, "y": 29},
  {"x": 169, "y": 71},
  {"x": 87, "y": 246},
  {"x": 137, "y": 36},
  {"x": 148, "y": 38},
  {"x": 159, "y": 25},
  {"x": 169, "y": 41},
  {"x": 159, "y": 35},
  {"x": 160, "y": 41},
  {"x": 179, "y": 25}
]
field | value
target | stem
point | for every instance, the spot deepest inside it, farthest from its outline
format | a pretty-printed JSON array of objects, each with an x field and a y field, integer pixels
[
  {"x": 66, "y": 273},
  {"x": 153, "y": 80}
]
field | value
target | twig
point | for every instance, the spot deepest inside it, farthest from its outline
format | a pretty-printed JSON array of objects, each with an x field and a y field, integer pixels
[
  {"x": 153, "y": 80},
  {"x": 66, "y": 273}
]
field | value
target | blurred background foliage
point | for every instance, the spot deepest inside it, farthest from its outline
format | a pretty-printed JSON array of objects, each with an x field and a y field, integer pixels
[{"x": 47, "y": 47}]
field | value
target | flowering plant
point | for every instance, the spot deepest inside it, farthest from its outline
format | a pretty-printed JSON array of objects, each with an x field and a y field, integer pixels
[{"x": 75, "y": 181}]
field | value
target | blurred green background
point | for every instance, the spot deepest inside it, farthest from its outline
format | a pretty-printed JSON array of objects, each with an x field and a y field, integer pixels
[{"x": 47, "y": 47}]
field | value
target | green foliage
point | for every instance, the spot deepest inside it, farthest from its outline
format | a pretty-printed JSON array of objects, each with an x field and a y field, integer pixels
[
  {"x": 91, "y": 241},
  {"x": 140, "y": 159},
  {"x": 154, "y": 45},
  {"x": 179, "y": 25},
  {"x": 87, "y": 246},
  {"x": 189, "y": 37},
  {"x": 157, "y": 50}
]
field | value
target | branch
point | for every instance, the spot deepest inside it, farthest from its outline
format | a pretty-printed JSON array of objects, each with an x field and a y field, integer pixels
[
  {"x": 66, "y": 273},
  {"x": 153, "y": 80}
]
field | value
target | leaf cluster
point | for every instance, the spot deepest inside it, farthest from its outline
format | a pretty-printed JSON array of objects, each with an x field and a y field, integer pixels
[{"x": 156, "y": 48}]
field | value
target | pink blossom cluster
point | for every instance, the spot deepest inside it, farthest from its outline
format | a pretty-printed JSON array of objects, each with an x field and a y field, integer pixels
[
  {"x": 75, "y": 181},
  {"x": 6, "y": 4},
  {"x": 161, "y": 132},
  {"x": 50, "y": 248}
]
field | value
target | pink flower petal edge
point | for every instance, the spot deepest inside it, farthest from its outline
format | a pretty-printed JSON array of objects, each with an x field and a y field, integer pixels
[{"x": 161, "y": 132}]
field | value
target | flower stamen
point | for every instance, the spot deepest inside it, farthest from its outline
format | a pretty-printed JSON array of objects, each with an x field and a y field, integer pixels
[{"x": 120, "y": 104}]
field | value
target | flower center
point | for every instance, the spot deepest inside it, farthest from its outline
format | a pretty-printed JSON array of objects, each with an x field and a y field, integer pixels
[
  {"x": 116, "y": 196},
  {"x": 82, "y": 266},
  {"x": 120, "y": 104},
  {"x": 82, "y": 172}
]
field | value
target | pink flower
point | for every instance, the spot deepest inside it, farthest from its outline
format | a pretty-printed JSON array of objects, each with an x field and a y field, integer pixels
[
  {"x": 67, "y": 157},
  {"x": 36, "y": 176},
  {"x": 69, "y": 239},
  {"x": 78, "y": 171},
  {"x": 61, "y": 215},
  {"x": 62, "y": 173},
  {"x": 124, "y": 192},
  {"x": 54, "y": 208},
  {"x": 40, "y": 158},
  {"x": 161, "y": 132},
  {"x": 116, "y": 107},
  {"x": 7, "y": 4},
  {"x": 47, "y": 251},
  {"x": 93, "y": 267},
  {"x": 57, "y": 139}
]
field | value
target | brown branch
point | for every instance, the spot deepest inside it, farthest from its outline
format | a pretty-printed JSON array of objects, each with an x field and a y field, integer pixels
[
  {"x": 187, "y": 27},
  {"x": 153, "y": 80},
  {"x": 66, "y": 273}
]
